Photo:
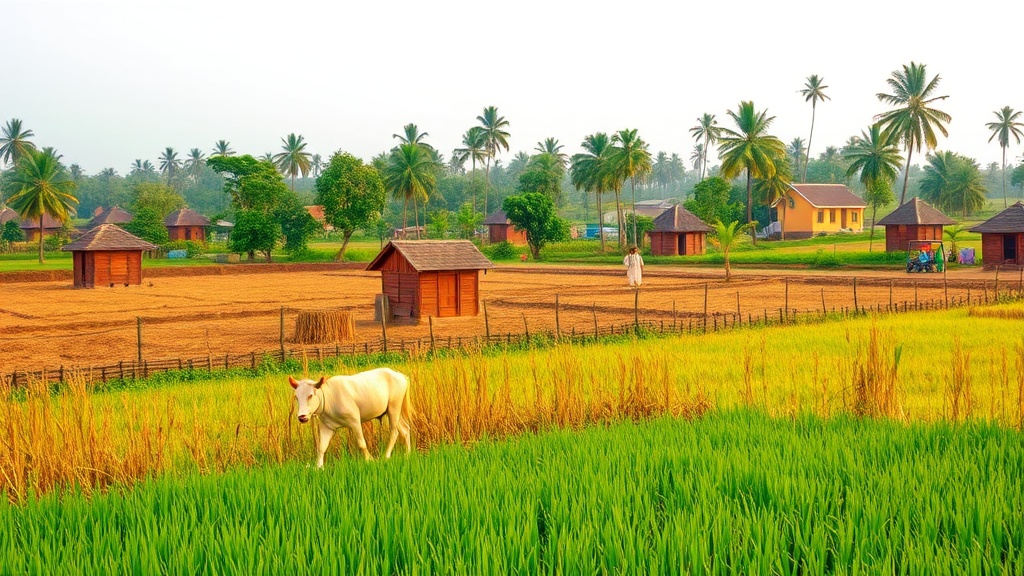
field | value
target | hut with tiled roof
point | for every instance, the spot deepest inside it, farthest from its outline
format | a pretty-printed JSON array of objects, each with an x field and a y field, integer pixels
[
  {"x": 1002, "y": 237},
  {"x": 114, "y": 215},
  {"x": 915, "y": 220},
  {"x": 500, "y": 229},
  {"x": 807, "y": 210},
  {"x": 107, "y": 255},
  {"x": 431, "y": 277},
  {"x": 186, "y": 224},
  {"x": 678, "y": 232},
  {"x": 31, "y": 229}
]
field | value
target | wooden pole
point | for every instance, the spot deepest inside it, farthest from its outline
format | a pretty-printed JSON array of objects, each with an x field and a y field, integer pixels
[
  {"x": 430, "y": 321},
  {"x": 705, "y": 303},
  {"x": 384, "y": 331},
  {"x": 856, "y": 308},
  {"x": 890, "y": 295},
  {"x": 673, "y": 315},
  {"x": 824, "y": 311},
  {"x": 636, "y": 309},
  {"x": 138, "y": 329},
  {"x": 558, "y": 324},
  {"x": 282, "y": 334},
  {"x": 996, "y": 295},
  {"x": 595, "y": 319},
  {"x": 787, "y": 299},
  {"x": 738, "y": 313},
  {"x": 526, "y": 327},
  {"x": 915, "y": 296},
  {"x": 487, "y": 323}
]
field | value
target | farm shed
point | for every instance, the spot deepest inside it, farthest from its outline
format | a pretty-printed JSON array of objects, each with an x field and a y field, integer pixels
[
  {"x": 915, "y": 220},
  {"x": 1002, "y": 237},
  {"x": 107, "y": 255},
  {"x": 431, "y": 277},
  {"x": 678, "y": 232},
  {"x": 31, "y": 227},
  {"x": 811, "y": 209},
  {"x": 500, "y": 229},
  {"x": 115, "y": 215},
  {"x": 6, "y": 215},
  {"x": 186, "y": 224}
]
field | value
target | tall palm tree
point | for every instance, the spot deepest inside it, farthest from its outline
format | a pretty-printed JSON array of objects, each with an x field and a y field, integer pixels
[
  {"x": 496, "y": 137},
  {"x": 108, "y": 173},
  {"x": 14, "y": 143},
  {"x": 294, "y": 159},
  {"x": 222, "y": 148},
  {"x": 137, "y": 166},
  {"x": 267, "y": 157},
  {"x": 474, "y": 149},
  {"x": 318, "y": 164},
  {"x": 76, "y": 172},
  {"x": 813, "y": 91},
  {"x": 195, "y": 163},
  {"x": 410, "y": 175},
  {"x": 676, "y": 169},
  {"x": 749, "y": 148},
  {"x": 877, "y": 160},
  {"x": 1005, "y": 126},
  {"x": 953, "y": 183},
  {"x": 697, "y": 157},
  {"x": 589, "y": 171},
  {"x": 411, "y": 135},
  {"x": 913, "y": 122},
  {"x": 630, "y": 160},
  {"x": 661, "y": 172},
  {"x": 552, "y": 147},
  {"x": 706, "y": 134},
  {"x": 41, "y": 186},
  {"x": 774, "y": 187},
  {"x": 797, "y": 152},
  {"x": 169, "y": 163}
]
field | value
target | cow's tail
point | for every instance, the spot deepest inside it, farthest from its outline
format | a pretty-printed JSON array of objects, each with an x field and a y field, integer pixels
[{"x": 407, "y": 410}]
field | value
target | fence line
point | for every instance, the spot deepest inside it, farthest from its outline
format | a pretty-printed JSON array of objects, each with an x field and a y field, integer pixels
[{"x": 694, "y": 324}]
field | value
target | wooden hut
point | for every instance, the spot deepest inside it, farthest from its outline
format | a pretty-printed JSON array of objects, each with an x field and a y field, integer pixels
[
  {"x": 51, "y": 226},
  {"x": 500, "y": 229},
  {"x": 186, "y": 224},
  {"x": 107, "y": 255},
  {"x": 1002, "y": 237},
  {"x": 678, "y": 232},
  {"x": 115, "y": 215},
  {"x": 431, "y": 277},
  {"x": 915, "y": 220},
  {"x": 6, "y": 215}
]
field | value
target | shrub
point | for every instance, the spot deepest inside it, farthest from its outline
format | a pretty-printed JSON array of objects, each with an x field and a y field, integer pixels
[
  {"x": 825, "y": 259},
  {"x": 504, "y": 250},
  {"x": 192, "y": 248}
]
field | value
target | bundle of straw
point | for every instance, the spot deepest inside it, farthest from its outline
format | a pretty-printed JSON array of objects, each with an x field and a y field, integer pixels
[{"x": 322, "y": 326}]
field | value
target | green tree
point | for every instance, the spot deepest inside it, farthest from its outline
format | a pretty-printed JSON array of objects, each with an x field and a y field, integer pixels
[
  {"x": 877, "y": 162},
  {"x": 751, "y": 149},
  {"x": 813, "y": 91},
  {"x": 411, "y": 135},
  {"x": 954, "y": 234},
  {"x": 629, "y": 159},
  {"x": 467, "y": 220},
  {"x": 294, "y": 159},
  {"x": 589, "y": 172},
  {"x": 1005, "y": 126},
  {"x": 14, "y": 142},
  {"x": 195, "y": 163},
  {"x": 775, "y": 187},
  {"x": 710, "y": 200},
  {"x": 148, "y": 224},
  {"x": 543, "y": 174},
  {"x": 410, "y": 175},
  {"x": 352, "y": 194},
  {"x": 534, "y": 213},
  {"x": 318, "y": 165},
  {"x": 706, "y": 134},
  {"x": 297, "y": 225},
  {"x": 496, "y": 137},
  {"x": 159, "y": 198},
  {"x": 440, "y": 222},
  {"x": 169, "y": 164},
  {"x": 642, "y": 224},
  {"x": 913, "y": 122},
  {"x": 11, "y": 232},
  {"x": 727, "y": 236},
  {"x": 474, "y": 149},
  {"x": 222, "y": 148},
  {"x": 953, "y": 183},
  {"x": 40, "y": 185},
  {"x": 254, "y": 231},
  {"x": 252, "y": 184},
  {"x": 551, "y": 147},
  {"x": 1017, "y": 179},
  {"x": 797, "y": 153}
]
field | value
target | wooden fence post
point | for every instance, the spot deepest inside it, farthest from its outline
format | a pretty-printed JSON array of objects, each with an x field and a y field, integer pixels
[
  {"x": 636, "y": 309},
  {"x": 787, "y": 299},
  {"x": 673, "y": 315},
  {"x": 281, "y": 338},
  {"x": 487, "y": 324},
  {"x": 705, "y": 304},
  {"x": 526, "y": 327},
  {"x": 738, "y": 313},
  {"x": 558, "y": 325},
  {"x": 824, "y": 311},
  {"x": 890, "y": 295},
  {"x": 856, "y": 307},
  {"x": 430, "y": 321},
  {"x": 595, "y": 320},
  {"x": 996, "y": 295},
  {"x": 915, "y": 296},
  {"x": 384, "y": 331},
  {"x": 138, "y": 339}
]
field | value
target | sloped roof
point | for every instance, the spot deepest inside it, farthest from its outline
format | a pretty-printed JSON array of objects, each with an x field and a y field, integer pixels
[
  {"x": 433, "y": 255},
  {"x": 917, "y": 212},
  {"x": 186, "y": 217},
  {"x": 1009, "y": 221},
  {"x": 317, "y": 212},
  {"x": 107, "y": 237},
  {"x": 828, "y": 195},
  {"x": 679, "y": 219},
  {"x": 6, "y": 215},
  {"x": 497, "y": 217},
  {"x": 49, "y": 223},
  {"x": 115, "y": 215}
]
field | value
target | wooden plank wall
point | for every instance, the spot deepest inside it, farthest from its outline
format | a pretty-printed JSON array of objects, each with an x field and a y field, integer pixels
[{"x": 469, "y": 299}]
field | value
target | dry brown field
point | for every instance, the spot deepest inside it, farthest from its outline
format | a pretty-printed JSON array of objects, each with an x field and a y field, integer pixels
[{"x": 51, "y": 324}]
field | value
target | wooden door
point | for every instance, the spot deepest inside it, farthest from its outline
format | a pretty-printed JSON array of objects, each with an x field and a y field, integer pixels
[
  {"x": 447, "y": 294},
  {"x": 118, "y": 268}
]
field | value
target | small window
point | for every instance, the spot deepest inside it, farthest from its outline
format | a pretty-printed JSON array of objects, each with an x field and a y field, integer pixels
[
  {"x": 821, "y": 216},
  {"x": 832, "y": 216},
  {"x": 853, "y": 216}
]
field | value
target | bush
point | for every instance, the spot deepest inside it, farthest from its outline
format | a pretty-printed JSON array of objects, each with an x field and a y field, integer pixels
[
  {"x": 53, "y": 242},
  {"x": 825, "y": 259},
  {"x": 192, "y": 248},
  {"x": 503, "y": 251}
]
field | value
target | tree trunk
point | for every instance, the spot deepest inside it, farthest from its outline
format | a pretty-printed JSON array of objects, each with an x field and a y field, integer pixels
[
  {"x": 750, "y": 209},
  {"x": 416, "y": 217},
  {"x": 487, "y": 183},
  {"x": 632, "y": 184},
  {"x": 405, "y": 218},
  {"x": 782, "y": 225},
  {"x": 619, "y": 215},
  {"x": 871, "y": 237},
  {"x": 472, "y": 182},
  {"x": 814, "y": 106},
  {"x": 906, "y": 174},
  {"x": 1004, "y": 178},
  {"x": 346, "y": 235},
  {"x": 600, "y": 222},
  {"x": 728, "y": 270},
  {"x": 42, "y": 259}
]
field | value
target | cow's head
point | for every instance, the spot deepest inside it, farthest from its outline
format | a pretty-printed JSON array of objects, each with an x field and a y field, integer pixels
[{"x": 305, "y": 395}]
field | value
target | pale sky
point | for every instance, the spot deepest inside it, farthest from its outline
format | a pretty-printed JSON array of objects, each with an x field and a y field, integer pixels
[{"x": 108, "y": 82}]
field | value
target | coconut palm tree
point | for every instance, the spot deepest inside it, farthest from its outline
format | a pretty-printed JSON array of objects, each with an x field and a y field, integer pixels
[
  {"x": 14, "y": 143},
  {"x": 294, "y": 159},
  {"x": 1005, "y": 126},
  {"x": 953, "y": 183},
  {"x": 495, "y": 137},
  {"x": 76, "y": 173},
  {"x": 41, "y": 186},
  {"x": 474, "y": 149},
  {"x": 629, "y": 160},
  {"x": 913, "y": 122},
  {"x": 676, "y": 169},
  {"x": 552, "y": 147},
  {"x": 589, "y": 172},
  {"x": 267, "y": 157},
  {"x": 108, "y": 173},
  {"x": 706, "y": 134},
  {"x": 169, "y": 163},
  {"x": 877, "y": 161},
  {"x": 813, "y": 91},
  {"x": 411, "y": 135},
  {"x": 661, "y": 173},
  {"x": 195, "y": 163},
  {"x": 774, "y": 187},
  {"x": 797, "y": 152},
  {"x": 222, "y": 148},
  {"x": 749, "y": 148},
  {"x": 317, "y": 163},
  {"x": 727, "y": 236},
  {"x": 697, "y": 158},
  {"x": 410, "y": 175}
]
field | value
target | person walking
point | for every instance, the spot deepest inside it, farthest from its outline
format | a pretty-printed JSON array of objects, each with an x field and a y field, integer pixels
[{"x": 634, "y": 267}]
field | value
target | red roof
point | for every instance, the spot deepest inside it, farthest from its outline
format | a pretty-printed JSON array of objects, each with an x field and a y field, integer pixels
[
  {"x": 432, "y": 255},
  {"x": 828, "y": 195},
  {"x": 108, "y": 237},
  {"x": 186, "y": 217}
]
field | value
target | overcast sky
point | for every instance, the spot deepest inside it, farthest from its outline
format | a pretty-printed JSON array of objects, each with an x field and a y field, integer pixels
[{"x": 108, "y": 82}]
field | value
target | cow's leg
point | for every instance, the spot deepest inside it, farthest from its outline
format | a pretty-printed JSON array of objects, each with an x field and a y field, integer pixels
[
  {"x": 325, "y": 440},
  {"x": 357, "y": 429},
  {"x": 405, "y": 430},
  {"x": 395, "y": 421}
]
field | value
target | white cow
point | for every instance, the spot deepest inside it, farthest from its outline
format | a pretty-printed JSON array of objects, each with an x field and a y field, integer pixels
[{"x": 351, "y": 400}]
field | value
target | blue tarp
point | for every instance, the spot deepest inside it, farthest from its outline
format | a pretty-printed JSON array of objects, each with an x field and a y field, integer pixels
[{"x": 177, "y": 254}]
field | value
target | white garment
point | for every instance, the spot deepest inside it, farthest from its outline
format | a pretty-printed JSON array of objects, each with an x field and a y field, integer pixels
[{"x": 634, "y": 269}]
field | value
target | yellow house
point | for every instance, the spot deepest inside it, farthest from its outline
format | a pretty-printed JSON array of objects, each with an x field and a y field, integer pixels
[{"x": 812, "y": 209}]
